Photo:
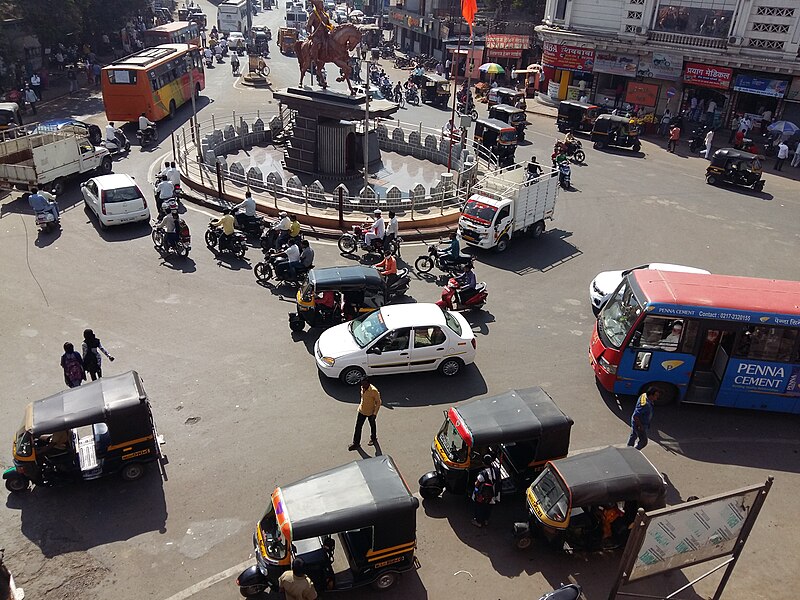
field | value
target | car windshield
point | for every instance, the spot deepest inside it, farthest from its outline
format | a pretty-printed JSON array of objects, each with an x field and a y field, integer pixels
[
  {"x": 452, "y": 322},
  {"x": 551, "y": 495},
  {"x": 619, "y": 315},
  {"x": 453, "y": 444},
  {"x": 368, "y": 328},
  {"x": 122, "y": 194},
  {"x": 479, "y": 211},
  {"x": 273, "y": 538}
]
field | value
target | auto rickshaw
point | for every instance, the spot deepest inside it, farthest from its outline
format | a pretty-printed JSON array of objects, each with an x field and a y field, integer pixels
[
  {"x": 332, "y": 295},
  {"x": 365, "y": 505},
  {"x": 435, "y": 89},
  {"x": 513, "y": 116},
  {"x": 576, "y": 116},
  {"x": 287, "y": 36},
  {"x": 504, "y": 95},
  {"x": 98, "y": 429},
  {"x": 521, "y": 429},
  {"x": 616, "y": 130},
  {"x": 10, "y": 116},
  {"x": 589, "y": 500},
  {"x": 737, "y": 167},
  {"x": 496, "y": 137}
]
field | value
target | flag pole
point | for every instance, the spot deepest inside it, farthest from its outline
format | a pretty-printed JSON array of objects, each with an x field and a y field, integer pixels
[{"x": 453, "y": 115}]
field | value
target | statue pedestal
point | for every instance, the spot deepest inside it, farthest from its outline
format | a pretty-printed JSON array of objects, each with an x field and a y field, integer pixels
[{"x": 323, "y": 139}]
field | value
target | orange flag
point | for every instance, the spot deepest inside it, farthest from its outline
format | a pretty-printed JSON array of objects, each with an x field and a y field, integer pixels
[{"x": 468, "y": 10}]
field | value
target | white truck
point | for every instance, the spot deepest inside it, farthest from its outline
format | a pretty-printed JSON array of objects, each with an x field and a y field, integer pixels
[
  {"x": 505, "y": 204},
  {"x": 46, "y": 160}
]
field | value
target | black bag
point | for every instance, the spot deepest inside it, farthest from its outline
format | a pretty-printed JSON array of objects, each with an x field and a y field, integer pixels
[{"x": 485, "y": 490}]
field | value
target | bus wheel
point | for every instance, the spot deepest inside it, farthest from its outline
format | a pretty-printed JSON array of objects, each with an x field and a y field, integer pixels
[
  {"x": 172, "y": 109},
  {"x": 669, "y": 393}
]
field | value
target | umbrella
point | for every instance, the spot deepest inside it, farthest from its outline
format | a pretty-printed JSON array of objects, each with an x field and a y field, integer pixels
[
  {"x": 784, "y": 127},
  {"x": 492, "y": 68}
]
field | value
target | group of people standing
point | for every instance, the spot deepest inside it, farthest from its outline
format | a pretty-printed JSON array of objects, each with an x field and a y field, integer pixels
[{"x": 89, "y": 361}]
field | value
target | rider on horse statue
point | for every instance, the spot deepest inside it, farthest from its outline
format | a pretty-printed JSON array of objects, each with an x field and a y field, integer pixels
[{"x": 319, "y": 26}]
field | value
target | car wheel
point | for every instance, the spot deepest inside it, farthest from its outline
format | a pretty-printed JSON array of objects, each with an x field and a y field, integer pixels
[
  {"x": 107, "y": 165},
  {"x": 132, "y": 471},
  {"x": 103, "y": 226},
  {"x": 538, "y": 229},
  {"x": 580, "y": 156},
  {"x": 502, "y": 245},
  {"x": 263, "y": 271},
  {"x": 16, "y": 485},
  {"x": 423, "y": 264},
  {"x": 385, "y": 581},
  {"x": 429, "y": 493},
  {"x": 352, "y": 375},
  {"x": 523, "y": 542},
  {"x": 711, "y": 180},
  {"x": 450, "y": 367}
]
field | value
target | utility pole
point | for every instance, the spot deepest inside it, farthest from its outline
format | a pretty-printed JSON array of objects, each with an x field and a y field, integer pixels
[{"x": 366, "y": 123}]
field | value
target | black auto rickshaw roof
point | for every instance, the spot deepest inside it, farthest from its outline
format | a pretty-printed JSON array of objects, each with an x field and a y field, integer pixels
[
  {"x": 495, "y": 124},
  {"x": 86, "y": 404},
  {"x": 514, "y": 415},
  {"x": 613, "y": 119},
  {"x": 354, "y": 277},
  {"x": 576, "y": 104},
  {"x": 435, "y": 77},
  {"x": 612, "y": 475},
  {"x": 363, "y": 493},
  {"x": 506, "y": 108},
  {"x": 725, "y": 154},
  {"x": 504, "y": 91}
]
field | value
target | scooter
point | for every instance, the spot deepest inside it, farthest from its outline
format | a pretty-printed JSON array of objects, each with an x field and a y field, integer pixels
[
  {"x": 452, "y": 298},
  {"x": 564, "y": 175},
  {"x": 147, "y": 137},
  {"x": 399, "y": 285},
  {"x": 250, "y": 226},
  {"x": 47, "y": 222},
  {"x": 120, "y": 145},
  {"x": 567, "y": 591},
  {"x": 181, "y": 247},
  {"x": 441, "y": 259},
  {"x": 276, "y": 266},
  {"x": 349, "y": 242},
  {"x": 236, "y": 243}
]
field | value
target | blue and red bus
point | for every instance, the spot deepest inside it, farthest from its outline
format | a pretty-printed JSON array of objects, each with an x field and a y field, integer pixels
[{"x": 702, "y": 339}]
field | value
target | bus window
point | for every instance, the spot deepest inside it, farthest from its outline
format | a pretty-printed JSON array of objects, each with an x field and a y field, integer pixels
[
  {"x": 122, "y": 76},
  {"x": 758, "y": 342},
  {"x": 666, "y": 334},
  {"x": 619, "y": 315}
]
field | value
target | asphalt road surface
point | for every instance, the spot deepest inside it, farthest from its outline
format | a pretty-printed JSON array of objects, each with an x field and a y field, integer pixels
[{"x": 242, "y": 407}]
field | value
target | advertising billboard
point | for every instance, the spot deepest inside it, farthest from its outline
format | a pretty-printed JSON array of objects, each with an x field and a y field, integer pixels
[
  {"x": 567, "y": 58},
  {"x": 775, "y": 88},
  {"x": 708, "y": 76},
  {"x": 616, "y": 64}
]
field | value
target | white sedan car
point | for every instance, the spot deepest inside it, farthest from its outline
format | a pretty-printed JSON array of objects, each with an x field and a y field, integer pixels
[
  {"x": 115, "y": 199},
  {"x": 396, "y": 339},
  {"x": 606, "y": 282},
  {"x": 236, "y": 40}
]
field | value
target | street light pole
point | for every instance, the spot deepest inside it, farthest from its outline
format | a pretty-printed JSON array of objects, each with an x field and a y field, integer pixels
[{"x": 366, "y": 124}]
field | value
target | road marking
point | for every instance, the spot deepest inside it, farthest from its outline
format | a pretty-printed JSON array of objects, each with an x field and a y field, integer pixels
[{"x": 209, "y": 581}]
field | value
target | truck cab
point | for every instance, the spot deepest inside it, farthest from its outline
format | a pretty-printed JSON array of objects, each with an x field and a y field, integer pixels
[{"x": 485, "y": 220}]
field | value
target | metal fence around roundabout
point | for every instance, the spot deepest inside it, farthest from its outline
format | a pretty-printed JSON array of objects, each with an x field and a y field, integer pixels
[{"x": 207, "y": 167}]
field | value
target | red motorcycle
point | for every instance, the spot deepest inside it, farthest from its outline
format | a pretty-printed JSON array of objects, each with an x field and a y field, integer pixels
[{"x": 453, "y": 298}]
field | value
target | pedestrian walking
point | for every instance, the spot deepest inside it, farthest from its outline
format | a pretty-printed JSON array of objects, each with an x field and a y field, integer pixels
[
  {"x": 709, "y": 142},
  {"x": 96, "y": 73},
  {"x": 674, "y": 137},
  {"x": 72, "y": 77},
  {"x": 734, "y": 127},
  {"x": 663, "y": 128},
  {"x": 783, "y": 154},
  {"x": 90, "y": 350},
  {"x": 447, "y": 65},
  {"x": 486, "y": 493},
  {"x": 796, "y": 158},
  {"x": 36, "y": 84},
  {"x": 642, "y": 416},
  {"x": 296, "y": 584},
  {"x": 31, "y": 98},
  {"x": 367, "y": 411},
  {"x": 72, "y": 364},
  {"x": 234, "y": 65}
]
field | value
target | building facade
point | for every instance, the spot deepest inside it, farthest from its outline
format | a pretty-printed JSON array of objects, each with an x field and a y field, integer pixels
[{"x": 726, "y": 56}]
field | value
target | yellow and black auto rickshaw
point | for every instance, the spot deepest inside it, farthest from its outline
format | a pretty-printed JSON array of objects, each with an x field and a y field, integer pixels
[
  {"x": 504, "y": 95},
  {"x": 576, "y": 116},
  {"x": 736, "y": 166},
  {"x": 499, "y": 140},
  {"x": 101, "y": 428},
  {"x": 511, "y": 115},
  {"x": 332, "y": 295},
  {"x": 616, "y": 130},
  {"x": 10, "y": 116},
  {"x": 589, "y": 500},
  {"x": 434, "y": 89},
  {"x": 364, "y": 505},
  {"x": 287, "y": 36},
  {"x": 521, "y": 429}
]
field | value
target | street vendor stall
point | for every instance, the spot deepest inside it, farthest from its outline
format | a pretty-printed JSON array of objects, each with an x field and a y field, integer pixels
[{"x": 531, "y": 76}]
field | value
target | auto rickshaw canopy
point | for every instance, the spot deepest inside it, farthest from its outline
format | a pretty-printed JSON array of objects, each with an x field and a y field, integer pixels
[
  {"x": 120, "y": 401},
  {"x": 363, "y": 493},
  {"x": 495, "y": 125},
  {"x": 508, "y": 95},
  {"x": 604, "y": 122},
  {"x": 725, "y": 156},
  {"x": 611, "y": 475},
  {"x": 513, "y": 113},
  {"x": 568, "y": 106},
  {"x": 512, "y": 416},
  {"x": 355, "y": 277}
]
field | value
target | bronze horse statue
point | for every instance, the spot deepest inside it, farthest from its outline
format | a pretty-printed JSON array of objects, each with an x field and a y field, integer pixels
[{"x": 340, "y": 41}]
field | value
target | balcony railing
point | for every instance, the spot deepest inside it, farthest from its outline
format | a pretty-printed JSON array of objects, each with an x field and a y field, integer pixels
[{"x": 682, "y": 39}]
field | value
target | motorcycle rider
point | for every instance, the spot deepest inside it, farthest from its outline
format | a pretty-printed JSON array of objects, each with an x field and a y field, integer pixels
[
  {"x": 533, "y": 168},
  {"x": 171, "y": 225},
  {"x": 376, "y": 230},
  {"x": 292, "y": 262},
  {"x": 452, "y": 254},
  {"x": 392, "y": 230},
  {"x": 398, "y": 92},
  {"x": 466, "y": 284},
  {"x": 146, "y": 127},
  {"x": 115, "y": 136},
  {"x": 570, "y": 143},
  {"x": 282, "y": 227},
  {"x": 174, "y": 174},
  {"x": 388, "y": 268},
  {"x": 40, "y": 204},
  {"x": 294, "y": 228},
  {"x": 306, "y": 255},
  {"x": 164, "y": 191},
  {"x": 225, "y": 222},
  {"x": 248, "y": 206}
]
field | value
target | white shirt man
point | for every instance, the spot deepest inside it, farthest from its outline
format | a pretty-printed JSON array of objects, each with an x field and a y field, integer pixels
[
  {"x": 285, "y": 223},
  {"x": 248, "y": 205},
  {"x": 144, "y": 123},
  {"x": 377, "y": 230},
  {"x": 745, "y": 124},
  {"x": 293, "y": 253},
  {"x": 709, "y": 141},
  {"x": 111, "y": 133},
  {"x": 796, "y": 157},
  {"x": 165, "y": 189},
  {"x": 174, "y": 175},
  {"x": 394, "y": 227},
  {"x": 712, "y": 107},
  {"x": 670, "y": 343}
]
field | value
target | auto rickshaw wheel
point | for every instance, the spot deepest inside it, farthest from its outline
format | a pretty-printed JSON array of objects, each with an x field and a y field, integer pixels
[
  {"x": 132, "y": 471},
  {"x": 385, "y": 581},
  {"x": 249, "y": 591},
  {"x": 352, "y": 376},
  {"x": 637, "y": 147},
  {"x": 523, "y": 542},
  {"x": 759, "y": 186},
  {"x": 711, "y": 180},
  {"x": 296, "y": 323},
  {"x": 599, "y": 145},
  {"x": 430, "y": 493},
  {"x": 16, "y": 485}
]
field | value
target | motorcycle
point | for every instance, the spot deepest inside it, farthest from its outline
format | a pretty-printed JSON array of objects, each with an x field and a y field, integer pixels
[
  {"x": 697, "y": 140},
  {"x": 148, "y": 136},
  {"x": 119, "y": 145},
  {"x": 250, "y": 226},
  {"x": 412, "y": 96},
  {"x": 565, "y": 175},
  {"x": 453, "y": 299},
  {"x": 567, "y": 591},
  {"x": 181, "y": 247},
  {"x": 271, "y": 267},
  {"x": 47, "y": 222},
  {"x": 573, "y": 151},
  {"x": 236, "y": 242},
  {"x": 442, "y": 260},
  {"x": 351, "y": 241},
  {"x": 386, "y": 90},
  {"x": 269, "y": 238},
  {"x": 399, "y": 285},
  {"x": 470, "y": 110}
]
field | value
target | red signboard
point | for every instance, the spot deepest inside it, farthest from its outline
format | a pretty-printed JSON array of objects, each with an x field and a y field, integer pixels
[
  {"x": 568, "y": 58},
  {"x": 507, "y": 41},
  {"x": 642, "y": 94},
  {"x": 707, "y": 76},
  {"x": 503, "y": 53}
]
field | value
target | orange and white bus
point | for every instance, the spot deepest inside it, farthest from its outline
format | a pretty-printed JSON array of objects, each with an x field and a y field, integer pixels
[
  {"x": 179, "y": 32},
  {"x": 155, "y": 81}
]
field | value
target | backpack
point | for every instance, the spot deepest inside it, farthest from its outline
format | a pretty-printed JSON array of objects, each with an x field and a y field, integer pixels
[
  {"x": 73, "y": 368},
  {"x": 484, "y": 490}
]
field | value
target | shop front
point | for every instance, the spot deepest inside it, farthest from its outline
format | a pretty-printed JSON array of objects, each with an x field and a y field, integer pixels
[
  {"x": 612, "y": 73},
  {"x": 706, "y": 95},
  {"x": 567, "y": 70},
  {"x": 791, "y": 104},
  {"x": 760, "y": 98},
  {"x": 663, "y": 69},
  {"x": 506, "y": 50}
]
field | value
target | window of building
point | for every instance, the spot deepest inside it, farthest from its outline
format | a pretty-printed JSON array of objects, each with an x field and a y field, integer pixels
[
  {"x": 771, "y": 27},
  {"x": 561, "y": 10},
  {"x": 707, "y": 22},
  {"x": 634, "y": 14},
  {"x": 775, "y": 11},
  {"x": 765, "y": 44}
]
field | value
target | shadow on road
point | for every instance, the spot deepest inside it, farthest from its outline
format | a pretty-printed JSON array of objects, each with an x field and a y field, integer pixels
[{"x": 527, "y": 255}]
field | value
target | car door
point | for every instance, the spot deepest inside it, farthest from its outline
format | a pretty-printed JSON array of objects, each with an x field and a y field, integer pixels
[
  {"x": 390, "y": 353},
  {"x": 89, "y": 190},
  {"x": 428, "y": 349}
]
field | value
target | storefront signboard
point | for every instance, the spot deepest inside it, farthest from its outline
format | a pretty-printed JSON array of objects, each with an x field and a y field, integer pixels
[
  {"x": 775, "y": 88},
  {"x": 615, "y": 64},
  {"x": 642, "y": 94},
  {"x": 661, "y": 65},
  {"x": 708, "y": 76},
  {"x": 568, "y": 58}
]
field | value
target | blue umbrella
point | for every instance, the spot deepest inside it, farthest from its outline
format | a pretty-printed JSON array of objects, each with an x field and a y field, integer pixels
[{"x": 784, "y": 127}]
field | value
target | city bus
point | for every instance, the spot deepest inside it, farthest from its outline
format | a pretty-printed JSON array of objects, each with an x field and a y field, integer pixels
[
  {"x": 232, "y": 16},
  {"x": 702, "y": 339},
  {"x": 155, "y": 81},
  {"x": 178, "y": 32}
]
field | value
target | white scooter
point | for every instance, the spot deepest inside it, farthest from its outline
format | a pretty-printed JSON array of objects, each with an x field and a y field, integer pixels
[{"x": 119, "y": 145}]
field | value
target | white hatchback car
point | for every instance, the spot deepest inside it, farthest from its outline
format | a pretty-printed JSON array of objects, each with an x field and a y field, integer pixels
[
  {"x": 396, "y": 339},
  {"x": 115, "y": 199},
  {"x": 606, "y": 282}
]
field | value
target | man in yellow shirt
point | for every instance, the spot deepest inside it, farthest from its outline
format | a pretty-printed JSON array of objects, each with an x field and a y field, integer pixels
[
  {"x": 367, "y": 411},
  {"x": 226, "y": 222},
  {"x": 294, "y": 227},
  {"x": 296, "y": 584}
]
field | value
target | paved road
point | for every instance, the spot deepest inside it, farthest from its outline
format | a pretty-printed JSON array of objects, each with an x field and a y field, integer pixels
[{"x": 243, "y": 409}]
